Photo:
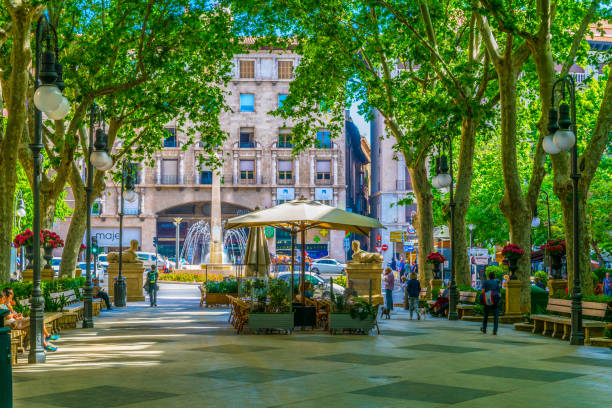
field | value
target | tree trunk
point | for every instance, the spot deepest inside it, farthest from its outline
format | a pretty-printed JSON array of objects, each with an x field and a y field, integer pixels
[
  {"x": 465, "y": 173},
  {"x": 15, "y": 102},
  {"x": 423, "y": 221},
  {"x": 74, "y": 238},
  {"x": 514, "y": 206}
]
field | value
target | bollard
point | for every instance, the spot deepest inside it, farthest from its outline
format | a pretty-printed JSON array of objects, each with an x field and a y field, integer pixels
[{"x": 6, "y": 373}]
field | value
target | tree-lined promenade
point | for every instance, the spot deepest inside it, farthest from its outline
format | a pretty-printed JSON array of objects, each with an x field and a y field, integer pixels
[{"x": 478, "y": 72}]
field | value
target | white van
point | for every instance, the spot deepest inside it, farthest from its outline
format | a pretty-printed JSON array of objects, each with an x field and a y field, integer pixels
[{"x": 148, "y": 259}]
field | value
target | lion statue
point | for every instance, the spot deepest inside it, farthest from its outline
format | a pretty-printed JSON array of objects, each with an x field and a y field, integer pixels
[
  {"x": 128, "y": 256},
  {"x": 361, "y": 256}
]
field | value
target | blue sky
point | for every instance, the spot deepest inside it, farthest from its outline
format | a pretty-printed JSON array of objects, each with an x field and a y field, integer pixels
[{"x": 360, "y": 121}]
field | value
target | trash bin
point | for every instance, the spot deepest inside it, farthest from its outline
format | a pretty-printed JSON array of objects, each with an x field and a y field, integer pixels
[{"x": 6, "y": 373}]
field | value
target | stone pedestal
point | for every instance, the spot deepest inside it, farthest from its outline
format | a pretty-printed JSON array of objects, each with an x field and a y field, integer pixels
[
  {"x": 216, "y": 253},
  {"x": 434, "y": 284},
  {"x": 361, "y": 274},
  {"x": 513, "y": 299},
  {"x": 555, "y": 285},
  {"x": 133, "y": 274},
  {"x": 45, "y": 274}
]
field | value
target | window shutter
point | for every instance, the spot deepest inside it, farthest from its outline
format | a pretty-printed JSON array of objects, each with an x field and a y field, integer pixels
[
  {"x": 247, "y": 165},
  {"x": 285, "y": 165},
  {"x": 323, "y": 166}
]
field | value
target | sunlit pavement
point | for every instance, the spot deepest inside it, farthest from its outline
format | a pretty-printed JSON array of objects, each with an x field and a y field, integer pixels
[{"x": 178, "y": 355}]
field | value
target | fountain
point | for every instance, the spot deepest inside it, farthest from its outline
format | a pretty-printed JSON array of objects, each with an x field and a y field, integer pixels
[{"x": 196, "y": 249}]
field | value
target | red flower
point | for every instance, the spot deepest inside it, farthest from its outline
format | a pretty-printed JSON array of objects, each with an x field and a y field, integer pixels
[
  {"x": 435, "y": 258},
  {"x": 513, "y": 251}
]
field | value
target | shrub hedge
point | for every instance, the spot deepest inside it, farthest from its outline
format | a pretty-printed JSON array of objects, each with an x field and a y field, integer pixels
[{"x": 189, "y": 277}]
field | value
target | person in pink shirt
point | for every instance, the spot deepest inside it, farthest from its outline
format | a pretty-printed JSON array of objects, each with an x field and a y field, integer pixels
[{"x": 389, "y": 286}]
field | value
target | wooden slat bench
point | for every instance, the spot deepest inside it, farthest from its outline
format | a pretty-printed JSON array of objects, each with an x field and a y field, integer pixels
[
  {"x": 467, "y": 301},
  {"x": 560, "y": 325}
]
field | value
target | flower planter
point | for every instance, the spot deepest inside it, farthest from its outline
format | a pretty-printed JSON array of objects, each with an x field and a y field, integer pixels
[
  {"x": 213, "y": 299},
  {"x": 48, "y": 256},
  {"x": 278, "y": 321},
  {"x": 513, "y": 266},
  {"x": 556, "y": 264},
  {"x": 29, "y": 255},
  {"x": 340, "y": 321}
]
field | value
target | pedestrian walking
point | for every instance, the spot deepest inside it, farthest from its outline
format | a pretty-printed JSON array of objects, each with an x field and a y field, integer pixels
[
  {"x": 152, "y": 286},
  {"x": 393, "y": 264},
  {"x": 413, "y": 288},
  {"x": 389, "y": 286},
  {"x": 490, "y": 300},
  {"x": 401, "y": 266},
  {"x": 607, "y": 285}
]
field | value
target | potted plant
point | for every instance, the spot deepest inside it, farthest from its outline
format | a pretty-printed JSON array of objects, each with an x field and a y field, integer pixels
[
  {"x": 358, "y": 315},
  {"x": 49, "y": 240},
  {"x": 556, "y": 249},
  {"x": 273, "y": 310},
  {"x": 25, "y": 239},
  {"x": 436, "y": 259},
  {"x": 216, "y": 292},
  {"x": 513, "y": 253}
]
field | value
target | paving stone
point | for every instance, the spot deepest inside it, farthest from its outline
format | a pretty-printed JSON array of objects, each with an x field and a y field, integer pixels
[
  {"x": 251, "y": 374},
  {"x": 355, "y": 358},
  {"x": 522, "y": 373},
  {"x": 442, "y": 348}
]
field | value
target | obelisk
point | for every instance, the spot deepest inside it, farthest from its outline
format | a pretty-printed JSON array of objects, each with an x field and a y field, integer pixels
[{"x": 216, "y": 242}]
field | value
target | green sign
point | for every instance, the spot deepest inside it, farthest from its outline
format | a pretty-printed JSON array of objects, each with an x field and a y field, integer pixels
[{"x": 269, "y": 231}]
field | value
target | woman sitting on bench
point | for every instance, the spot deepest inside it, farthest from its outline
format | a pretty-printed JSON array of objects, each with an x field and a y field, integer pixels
[
  {"x": 441, "y": 306},
  {"x": 6, "y": 299}
]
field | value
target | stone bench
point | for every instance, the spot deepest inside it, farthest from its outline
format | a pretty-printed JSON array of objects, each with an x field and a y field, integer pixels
[{"x": 559, "y": 325}]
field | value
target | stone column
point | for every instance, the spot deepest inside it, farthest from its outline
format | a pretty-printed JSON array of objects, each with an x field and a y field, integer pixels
[
  {"x": 158, "y": 164},
  {"x": 312, "y": 171},
  {"x": 181, "y": 168},
  {"x": 513, "y": 299},
  {"x": 296, "y": 166},
  {"x": 258, "y": 166},
  {"x": 235, "y": 175},
  {"x": 196, "y": 170},
  {"x": 142, "y": 201},
  {"x": 274, "y": 172},
  {"x": 335, "y": 168}
]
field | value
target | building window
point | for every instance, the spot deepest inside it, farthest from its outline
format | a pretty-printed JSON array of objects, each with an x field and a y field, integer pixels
[
  {"x": 170, "y": 139},
  {"x": 247, "y": 138},
  {"x": 247, "y": 171},
  {"x": 285, "y": 69},
  {"x": 247, "y": 103},
  {"x": 135, "y": 174},
  {"x": 206, "y": 177},
  {"x": 281, "y": 99},
  {"x": 96, "y": 208},
  {"x": 285, "y": 172},
  {"x": 284, "y": 139},
  {"x": 247, "y": 69},
  {"x": 170, "y": 171},
  {"x": 323, "y": 174},
  {"x": 324, "y": 139}
]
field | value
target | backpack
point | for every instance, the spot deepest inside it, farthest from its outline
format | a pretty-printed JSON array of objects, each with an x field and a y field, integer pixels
[{"x": 489, "y": 298}]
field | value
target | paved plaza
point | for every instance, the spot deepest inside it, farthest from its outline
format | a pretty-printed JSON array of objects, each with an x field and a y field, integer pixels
[{"x": 179, "y": 355}]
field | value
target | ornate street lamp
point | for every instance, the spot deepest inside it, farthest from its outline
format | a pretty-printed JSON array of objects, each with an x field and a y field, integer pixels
[
  {"x": 444, "y": 179},
  {"x": 127, "y": 193},
  {"x": 48, "y": 98},
  {"x": 101, "y": 160},
  {"x": 563, "y": 135}
]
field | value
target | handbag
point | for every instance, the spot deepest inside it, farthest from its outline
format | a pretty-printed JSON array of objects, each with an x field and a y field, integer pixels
[{"x": 489, "y": 298}]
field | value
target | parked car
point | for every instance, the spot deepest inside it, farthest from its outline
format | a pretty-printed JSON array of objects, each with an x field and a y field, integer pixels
[
  {"x": 183, "y": 261},
  {"x": 55, "y": 263},
  {"x": 148, "y": 259},
  {"x": 316, "y": 280},
  {"x": 327, "y": 266},
  {"x": 102, "y": 261},
  {"x": 83, "y": 267}
]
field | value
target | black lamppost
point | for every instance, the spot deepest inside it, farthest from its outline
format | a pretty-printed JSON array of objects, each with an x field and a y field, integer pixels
[
  {"x": 48, "y": 98},
  {"x": 100, "y": 159},
  {"x": 444, "y": 179},
  {"x": 563, "y": 137},
  {"x": 127, "y": 193}
]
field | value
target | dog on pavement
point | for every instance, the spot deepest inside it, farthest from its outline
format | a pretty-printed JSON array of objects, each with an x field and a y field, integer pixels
[{"x": 385, "y": 312}]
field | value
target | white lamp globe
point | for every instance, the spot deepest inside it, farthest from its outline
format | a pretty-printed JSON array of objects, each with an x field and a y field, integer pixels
[
  {"x": 444, "y": 180},
  {"x": 47, "y": 98},
  {"x": 101, "y": 160},
  {"x": 434, "y": 182},
  {"x": 61, "y": 112},
  {"x": 564, "y": 139},
  {"x": 21, "y": 212},
  {"x": 130, "y": 196},
  {"x": 535, "y": 222},
  {"x": 549, "y": 145}
]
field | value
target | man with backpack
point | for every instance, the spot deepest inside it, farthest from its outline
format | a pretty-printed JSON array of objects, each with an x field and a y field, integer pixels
[{"x": 490, "y": 300}]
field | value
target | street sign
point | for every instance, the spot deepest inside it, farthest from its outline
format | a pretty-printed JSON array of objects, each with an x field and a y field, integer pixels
[
  {"x": 408, "y": 248},
  {"x": 347, "y": 244},
  {"x": 385, "y": 247},
  {"x": 397, "y": 236},
  {"x": 378, "y": 249}
]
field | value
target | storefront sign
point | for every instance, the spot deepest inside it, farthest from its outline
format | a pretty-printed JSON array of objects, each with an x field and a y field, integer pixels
[
  {"x": 324, "y": 194},
  {"x": 109, "y": 237},
  {"x": 287, "y": 193}
]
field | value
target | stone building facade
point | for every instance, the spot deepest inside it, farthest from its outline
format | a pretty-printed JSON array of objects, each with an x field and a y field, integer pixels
[{"x": 258, "y": 169}]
